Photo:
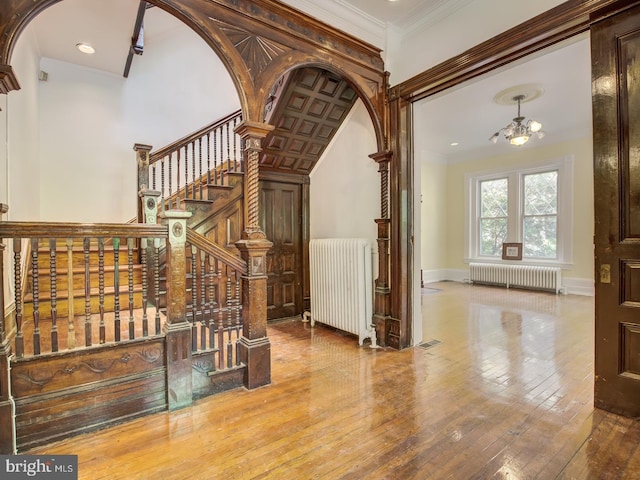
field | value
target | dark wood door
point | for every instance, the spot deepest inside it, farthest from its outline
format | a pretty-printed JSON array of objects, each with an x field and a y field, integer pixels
[
  {"x": 616, "y": 138},
  {"x": 281, "y": 220}
]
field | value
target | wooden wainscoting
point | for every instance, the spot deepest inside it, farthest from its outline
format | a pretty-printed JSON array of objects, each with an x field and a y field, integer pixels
[{"x": 61, "y": 394}]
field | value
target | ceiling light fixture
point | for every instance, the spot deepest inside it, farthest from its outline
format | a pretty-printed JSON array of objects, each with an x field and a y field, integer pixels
[
  {"x": 518, "y": 132},
  {"x": 85, "y": 48}
]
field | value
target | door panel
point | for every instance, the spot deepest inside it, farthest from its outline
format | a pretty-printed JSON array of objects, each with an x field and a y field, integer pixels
[
  {"x": 280, "y": 206},
  {"x": 616, "y": 138}
]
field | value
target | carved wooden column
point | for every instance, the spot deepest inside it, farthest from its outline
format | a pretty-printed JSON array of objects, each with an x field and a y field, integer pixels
[
  {"x": 255, "y": 348},
  {"x": 7, "y": 431},
  {"x": 177, "y": 329},
  {"x": 382, "y": 302},
  {"x": 142, "y": 159}
]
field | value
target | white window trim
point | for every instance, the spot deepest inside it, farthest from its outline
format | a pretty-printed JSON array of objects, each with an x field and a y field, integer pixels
[{"x": 564, "y": 246}]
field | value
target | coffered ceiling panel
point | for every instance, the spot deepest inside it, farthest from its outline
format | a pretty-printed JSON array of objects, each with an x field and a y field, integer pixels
[{"x": 311, "y": 108}]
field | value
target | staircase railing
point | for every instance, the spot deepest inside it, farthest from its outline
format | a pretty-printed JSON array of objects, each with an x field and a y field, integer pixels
[
  {"x": 72, "y": 258},
  {"x": 214, "y": 305},
  {"x": 182, "y": 170}
]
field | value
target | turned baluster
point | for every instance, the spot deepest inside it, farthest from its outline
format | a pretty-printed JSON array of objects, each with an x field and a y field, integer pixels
[
  {"x": 193, "y": 169},
  {"x": 130, "y": 279},
  {"x": 101, "y": 289},
  {"x": 228, "y": 150},
  {"x": 36, "y": 296},
  {"x": 186, "y": 171},
  {"x": 71, "y": 329},
  {"x": 17, "y": 272},
  {"x": 145, "y": 288},
  {"x": 215, "y": 158},
  {"x": 156, "y": 281},
  {"x": 162, "y": 183},
  {"x": 229, "y": 307},
  {"x": 116, "y": 289},
  {"x": 54, "y": 294},
  {"x": 223, "y": 168},
  {"x": 194, "y": 293},
  {"x": 236, "y": 302},
  {"x": 170, "y": 179},
  {"x": 203, "y": 302},
  {"x": 208, "y": 158},
  {"x": 200, "y": 166},
  {"x": 87, "y": 294},
  {"x": 210, "y": 319},
  {"x": 235, "y": 143},
  {"x": 220, "y": 322}
]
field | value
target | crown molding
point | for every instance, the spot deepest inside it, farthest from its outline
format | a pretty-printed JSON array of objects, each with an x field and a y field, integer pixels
[{"x": 344, "y": 16}]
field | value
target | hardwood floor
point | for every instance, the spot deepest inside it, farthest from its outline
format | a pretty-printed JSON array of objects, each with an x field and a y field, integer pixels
[{"x": 508, "y": 393}]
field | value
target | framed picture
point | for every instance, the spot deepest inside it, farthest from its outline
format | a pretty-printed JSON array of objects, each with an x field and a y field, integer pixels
[{"x": 512, "y": 251}]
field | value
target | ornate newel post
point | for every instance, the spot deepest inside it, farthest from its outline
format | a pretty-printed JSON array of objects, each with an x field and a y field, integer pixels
[
  {"x": 7, "y": 431},
  {"x": 385, "y": 330},
  {"x": 177, "y": 329},
  {"x": 255, "y": 348},
  {"x": 149, "y": 203},
  {"x": 142, "y": 159}
]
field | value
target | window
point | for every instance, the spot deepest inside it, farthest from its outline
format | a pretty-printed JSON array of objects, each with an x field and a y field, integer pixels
[
  {"x": 494, "y": 215},
  {"x": 532, "y": 205},
  {"x": 540, "y": 215}
]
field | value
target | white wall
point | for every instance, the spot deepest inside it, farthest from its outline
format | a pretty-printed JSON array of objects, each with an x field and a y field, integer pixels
[
  {"x": 23, "y": 134},
  {"x": 19, "y": 145},
  {"x": 90, "y": 120},
  {"x": 428, "y": 44},
  {"x": 345, "y": 184},
  {"x": 433, "y": 213}
]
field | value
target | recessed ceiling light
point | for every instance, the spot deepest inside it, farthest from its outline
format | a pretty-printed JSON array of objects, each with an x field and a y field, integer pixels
[
  {"x": 85, "y": 48},
  {"x": 454, "y": 144}
]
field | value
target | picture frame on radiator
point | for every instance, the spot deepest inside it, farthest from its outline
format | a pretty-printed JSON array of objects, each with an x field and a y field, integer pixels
[{"x": 512, "y": 251}]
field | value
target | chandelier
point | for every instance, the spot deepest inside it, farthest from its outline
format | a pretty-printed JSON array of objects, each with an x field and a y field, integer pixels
[{"x": 518, "y": 132}]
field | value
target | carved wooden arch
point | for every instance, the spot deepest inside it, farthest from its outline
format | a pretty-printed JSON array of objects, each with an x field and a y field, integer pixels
[
  {"x": 21, "y": 17},
  {"x": 248, "y": 35},
  {"x": 366, "y": 90}
]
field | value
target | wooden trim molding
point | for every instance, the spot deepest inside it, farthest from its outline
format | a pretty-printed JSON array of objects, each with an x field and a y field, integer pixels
[{"x": 564, "y": 21}]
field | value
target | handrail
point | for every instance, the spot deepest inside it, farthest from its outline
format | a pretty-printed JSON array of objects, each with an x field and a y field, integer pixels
[
  {"x": 203, "y": 243},
  {"x": 77, "y": 230},
  {"x": 164, "y": 151}
]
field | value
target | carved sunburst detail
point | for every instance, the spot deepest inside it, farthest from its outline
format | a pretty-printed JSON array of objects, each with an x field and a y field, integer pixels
[{"x": 257, "y": 52}]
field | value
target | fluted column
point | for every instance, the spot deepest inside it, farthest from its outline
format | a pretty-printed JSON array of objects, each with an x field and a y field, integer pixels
[
  {"x": 255, "y": 348},
  {"x": 382, "y": 301}
]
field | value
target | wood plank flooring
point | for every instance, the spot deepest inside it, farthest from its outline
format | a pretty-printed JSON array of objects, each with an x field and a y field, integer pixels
[{"x": 508, "y": 393}]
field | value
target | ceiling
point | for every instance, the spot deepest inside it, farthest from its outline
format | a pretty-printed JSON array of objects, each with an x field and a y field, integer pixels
[{"x": 467, "y": 115}]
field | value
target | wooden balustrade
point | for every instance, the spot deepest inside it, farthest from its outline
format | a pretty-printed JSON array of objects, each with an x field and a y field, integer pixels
[
  {"x": 182, "y": 170},
  {"x": 79, "y": 272},
  {"x": 214, "y": 300}
]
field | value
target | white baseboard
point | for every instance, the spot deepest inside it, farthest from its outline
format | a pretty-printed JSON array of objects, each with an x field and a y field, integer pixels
[
  {"x": 442, "y": 275},
  {"x": 572, "y": 286},
  {"x": 579, "y": 286}
]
